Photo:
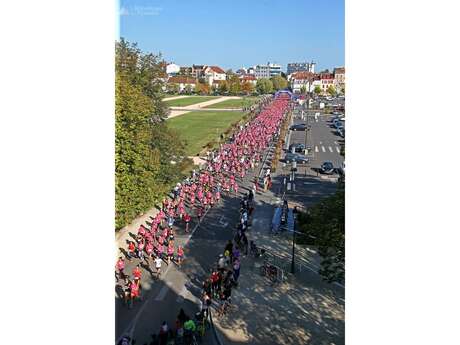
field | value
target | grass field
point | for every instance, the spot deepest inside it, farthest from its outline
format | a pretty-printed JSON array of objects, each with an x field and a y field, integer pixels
[
  {"x": 201, "y": 127},
  {"x": 182, "y": 102},
  {"x": 233, "y": 103}
]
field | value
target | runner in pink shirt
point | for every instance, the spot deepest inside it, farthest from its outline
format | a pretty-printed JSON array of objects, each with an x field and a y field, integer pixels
[{"x": 120, "y": 266}]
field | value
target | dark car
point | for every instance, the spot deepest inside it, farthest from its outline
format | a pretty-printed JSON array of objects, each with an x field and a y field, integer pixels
[
  {"x": 341, "y": 132},
  {"x": 327, "y": 168},
  {"x": 297, "y": 148},
  {"x": 298, "y": 127},
  {"x": 295, "y": 157}
]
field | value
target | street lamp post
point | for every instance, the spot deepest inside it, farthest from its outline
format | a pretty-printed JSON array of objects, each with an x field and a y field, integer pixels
[{"x": 294, "y": 213}]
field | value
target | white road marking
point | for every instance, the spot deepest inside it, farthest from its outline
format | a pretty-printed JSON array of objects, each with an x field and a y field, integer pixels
[
  {"x": 320, "y": 142},
  {"x": 337, "y": 149},
  {"x": 335, "y": 142},
  {"x": 316, "y": 149},
  {"x": 330, "y": 149},
  {"x": 322, "y": 148}
]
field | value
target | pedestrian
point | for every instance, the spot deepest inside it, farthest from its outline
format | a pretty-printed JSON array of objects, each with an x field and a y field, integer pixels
[
  {"x": 120, "y": 266},
  {"x": 180, "y": 255},
  {"x": 158, "y": 261},
  {"x": 163, "y": 334},
  {"x": 187, "y": 219},
  {"x": 236, "y": 270},
  {"x": 170, "y": 253},
  {"x": 131, "y": 249}
]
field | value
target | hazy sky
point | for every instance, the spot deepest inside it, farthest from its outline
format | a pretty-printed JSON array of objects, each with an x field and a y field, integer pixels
[{"x": 236, "y": 33}]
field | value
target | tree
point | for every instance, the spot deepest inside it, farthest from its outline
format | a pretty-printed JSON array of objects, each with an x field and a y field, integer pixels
[
  {"x": 223, "y": 87},
  {"x": 325, "y": 222},
  {"x": 143, "y": 147},
  {"x": 331, "y": 90},
  {"x": 303, "y": 90},
  {"x": 247, "y": 87},
  {"x": 264, "y": 86},
  {"x": 234, "y": 86},
  {"x": 229, "y": 73},
  {"x": 172, "y": 88},
  {"x": 317, "y": 89},
  {"x": 279, "y": 82}
]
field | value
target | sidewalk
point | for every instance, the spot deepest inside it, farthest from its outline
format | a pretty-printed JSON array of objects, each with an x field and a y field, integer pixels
[{"x": 303, "y": 310}]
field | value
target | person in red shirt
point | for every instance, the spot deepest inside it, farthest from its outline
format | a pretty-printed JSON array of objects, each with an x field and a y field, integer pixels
[
  {"x": 131, "y": 249},
  {"x": 187, "y": 220},
  {"x": 170, "y": 251},
  {"x": 137, "y": 273},
  {"x": 180, "y": 255},
  {"x": 134, "y": 287},
  {"x": 214, "y": 282},
  {"x": 120, "y": 267}
]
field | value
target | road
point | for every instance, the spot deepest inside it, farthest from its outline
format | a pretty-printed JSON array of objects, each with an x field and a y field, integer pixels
[
  {"x": 180, "y": 287},
  {"x": 324, "y": 143}
]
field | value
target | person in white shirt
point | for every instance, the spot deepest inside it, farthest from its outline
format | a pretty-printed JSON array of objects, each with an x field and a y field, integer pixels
[{"x": 158, "y": 266}]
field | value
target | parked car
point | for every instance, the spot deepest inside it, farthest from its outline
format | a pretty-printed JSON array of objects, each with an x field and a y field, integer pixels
[
  {"x": 295, "y": 157},
  {"x": 338, "y": 124},
  {"x": 341, "y": 132},
  {"x": 327, "y": 168},
  {"x": 297, "y": 147},
  {"x": 298, "y": 127}
]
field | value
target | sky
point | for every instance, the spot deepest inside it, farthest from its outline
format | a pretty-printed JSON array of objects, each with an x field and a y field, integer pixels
[{"x": 237, "y": 33}]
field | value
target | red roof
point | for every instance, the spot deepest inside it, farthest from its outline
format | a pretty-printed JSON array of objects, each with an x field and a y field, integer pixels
[
  {"x": 182, "y": 80},
  {"x": 327, "y": 76},
  {"x": 248, "y": 77},
  {"x": 340, "y": 70},
  {"x": 302, "y": 75},
  {"x": 217, "y": 69}
]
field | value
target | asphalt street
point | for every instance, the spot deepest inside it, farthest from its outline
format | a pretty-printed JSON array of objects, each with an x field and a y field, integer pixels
[
  {"x": 322, "y": 138},
  {"x": 181, "y": 287}
]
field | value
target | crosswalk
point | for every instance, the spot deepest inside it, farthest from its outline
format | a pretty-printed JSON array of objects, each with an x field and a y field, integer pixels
[{"x": 324, "y": 149}]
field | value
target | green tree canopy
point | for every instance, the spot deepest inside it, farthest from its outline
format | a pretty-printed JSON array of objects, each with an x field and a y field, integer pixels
[
  {"x": 264, "y": 86},
  {"x": 325, "y": 222},
  {"x": 234, "y": 85},
  {"x": 143, "y": 149},
  {"x": 279, "y": 82},
  {"x": 317, "y": 89},
  {"x": 331, "y": 90}
]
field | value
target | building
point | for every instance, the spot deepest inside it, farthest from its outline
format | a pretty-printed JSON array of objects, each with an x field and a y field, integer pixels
[
  {"x": 182, "y": 82},
  {"x": 339, "y": 78},
  {"x": 212, "y": 73},
  {"x": 172, "y": 69},
  {"x": 184, "y": 70},
  {"x": 293, "y": 67},
  {"x": 241, "y": 71},
  {"x": 326, "y": 80},
  {"x": 275, "y": 69},
  {"x": 265, "y": 71},
  {"x": 300, "y": 80},
  {"x": 262, "y": 71},
  {"x": 248, "y": 78},
  {"x": 198, "y": 71}
]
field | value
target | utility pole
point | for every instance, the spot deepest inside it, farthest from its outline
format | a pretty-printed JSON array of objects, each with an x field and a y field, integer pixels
[{"x": 294, "y": 213}]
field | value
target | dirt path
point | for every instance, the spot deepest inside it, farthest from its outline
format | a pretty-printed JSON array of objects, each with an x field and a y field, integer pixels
[{"x": 183, "y": 110}]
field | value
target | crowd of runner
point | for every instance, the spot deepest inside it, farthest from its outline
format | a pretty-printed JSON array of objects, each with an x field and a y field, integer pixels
[{"x": 154, "y": 242}]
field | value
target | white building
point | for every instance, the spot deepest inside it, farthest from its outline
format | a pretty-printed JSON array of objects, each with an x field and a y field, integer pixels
[
  {"x": 275, "y": 69},
  {"x": 262, "y": 71},
  {"x": 172, "y": 69},
  {"x": 182, "y": 82},
  {"x": 213, "y": 73},
  {"x": 301, "y": 80}
]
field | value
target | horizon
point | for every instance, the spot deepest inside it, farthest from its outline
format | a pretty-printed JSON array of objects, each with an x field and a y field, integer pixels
[{"x": 238, "y": 34}]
